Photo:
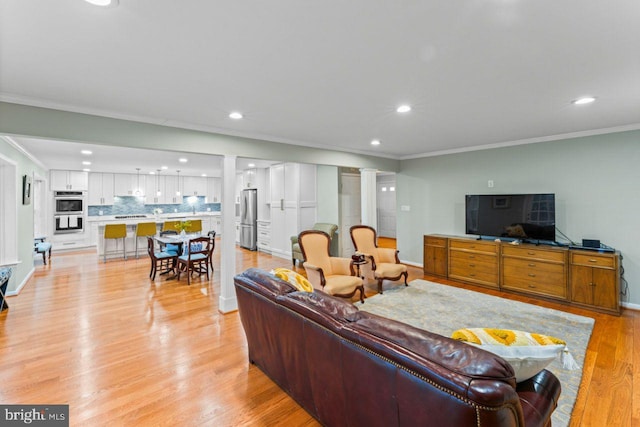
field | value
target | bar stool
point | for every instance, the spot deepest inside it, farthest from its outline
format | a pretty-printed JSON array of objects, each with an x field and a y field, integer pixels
[
  {"x": 145, "y": 229},
  {"x": 170, "y": 225},
  {"x": 195, "y": 227},
  {"x": 115, "y": 231}
]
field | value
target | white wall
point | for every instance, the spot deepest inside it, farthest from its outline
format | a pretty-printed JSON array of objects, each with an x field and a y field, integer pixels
[{"x": 596, "y": 181}]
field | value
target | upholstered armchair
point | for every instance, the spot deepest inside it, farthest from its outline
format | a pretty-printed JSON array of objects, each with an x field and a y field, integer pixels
[
  {"x": 333, "y": 275},
  {"x": 330, "y": 229},
  {"x": 383, "y": 262}
]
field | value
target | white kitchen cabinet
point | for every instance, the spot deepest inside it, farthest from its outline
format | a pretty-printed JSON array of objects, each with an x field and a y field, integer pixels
[
  {"x": 249, "y": 177},
  {"x": 126, "y": 184},
  {"x": 214, "y": 190},
  {"x": 62, "y": 180},
  {"x": 152, "y": 185},
  {"x": 264, "y": 236},
  {"x": 194, "y": 186},
  {"x": 293, "y": 204},
  {"x": 170, "y": 189},
  {"x": 101, "y": 189},
  {"x": 70, "y": 240},
  {"x": 216, "y": 224}
]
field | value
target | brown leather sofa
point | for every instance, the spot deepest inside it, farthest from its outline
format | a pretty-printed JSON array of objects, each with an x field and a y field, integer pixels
[{"x": 351, "y": 368}]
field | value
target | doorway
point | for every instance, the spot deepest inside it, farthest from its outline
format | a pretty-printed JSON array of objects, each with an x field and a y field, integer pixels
[
  {"x": 350, "y": 206},
  {"x": 386, "y": 205}
]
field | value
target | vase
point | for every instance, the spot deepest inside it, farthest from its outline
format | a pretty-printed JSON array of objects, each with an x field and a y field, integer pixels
[{"x": 183, "y": 233}]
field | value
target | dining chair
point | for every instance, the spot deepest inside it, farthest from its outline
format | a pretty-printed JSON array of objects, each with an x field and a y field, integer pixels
[
  {"x": 170, "y": 247},
  {"x": 164, "y": 260},
  {"x": 212, "y": 236},
  {"x": 333, "y": 275},
  {"x": 383, "y": 262},
  {"x": 195, "y": 257},
  {"x": 115, "y": 232},
  {"x": 145, "y": 229}
]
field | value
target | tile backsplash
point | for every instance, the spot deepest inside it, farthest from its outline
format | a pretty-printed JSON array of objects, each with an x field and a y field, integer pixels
[{"x": 131, "y": 205}]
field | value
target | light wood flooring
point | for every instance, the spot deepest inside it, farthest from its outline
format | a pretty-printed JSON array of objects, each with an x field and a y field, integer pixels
[{"x": 122, "y": 350}]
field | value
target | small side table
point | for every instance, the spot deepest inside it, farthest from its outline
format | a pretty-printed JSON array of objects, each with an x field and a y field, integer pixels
[
  {"x": 5, "y": 274},
  {"x": 358, "y": 264}
]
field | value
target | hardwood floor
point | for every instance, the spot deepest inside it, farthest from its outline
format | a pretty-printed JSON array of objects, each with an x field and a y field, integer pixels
[{"x": 122, "y": 350}]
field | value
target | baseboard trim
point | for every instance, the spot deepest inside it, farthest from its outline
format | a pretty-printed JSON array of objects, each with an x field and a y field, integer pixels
[
  {"x": 22, "y": 284},
  {"x": 630, "y": 306}
]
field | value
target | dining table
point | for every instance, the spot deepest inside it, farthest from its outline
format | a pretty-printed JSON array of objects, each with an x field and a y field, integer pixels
[{"x": 179, "y": 241}]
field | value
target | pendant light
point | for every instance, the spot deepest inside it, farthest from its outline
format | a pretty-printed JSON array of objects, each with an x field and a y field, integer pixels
[
  {"x": 158, "y": 192},
  {"x": 138, "y": 192},
  {"x": 178, "y": 191}
]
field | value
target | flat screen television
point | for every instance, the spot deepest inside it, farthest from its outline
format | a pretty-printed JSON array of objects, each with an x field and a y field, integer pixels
[{"x": 528, "y": 217}]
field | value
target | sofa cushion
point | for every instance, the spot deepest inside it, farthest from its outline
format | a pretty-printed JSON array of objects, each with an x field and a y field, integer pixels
[{"x": 528, "y": 353}]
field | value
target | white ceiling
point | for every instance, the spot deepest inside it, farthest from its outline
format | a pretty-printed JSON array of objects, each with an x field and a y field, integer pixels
[
  {"x": 104, "y": 158},
  {"x": 331, "y": 73}
]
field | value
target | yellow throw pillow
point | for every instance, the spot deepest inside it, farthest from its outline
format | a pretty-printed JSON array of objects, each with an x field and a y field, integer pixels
[
  {"x": 298, "y": 280},
  {"x": 528, "y": 353}
]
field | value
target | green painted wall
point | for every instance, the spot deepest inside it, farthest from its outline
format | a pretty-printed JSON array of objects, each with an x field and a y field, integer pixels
[
  {"x": 596, "y": 180},
  {"x": 24, "y": 166}
]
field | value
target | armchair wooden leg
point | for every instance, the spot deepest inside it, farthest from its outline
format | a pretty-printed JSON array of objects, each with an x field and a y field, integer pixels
[
  {"x": 406, "y": 274},
  {"x": 361, "y": 288},
  {"x": 380, "y": 285}
]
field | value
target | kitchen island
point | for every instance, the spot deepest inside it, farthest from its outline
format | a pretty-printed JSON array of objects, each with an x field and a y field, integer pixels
[{"x": 210, "y": 221}]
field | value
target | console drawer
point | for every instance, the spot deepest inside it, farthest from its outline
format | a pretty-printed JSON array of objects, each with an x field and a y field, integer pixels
[
  {"x": 540, "y": 278},
  {"x": 530, "y": 252},
  {"x": 474, "y": 245},
  {"x": 590, "y": 260},
  {"x": 435, "y": 241},
  {"x": 472, "y": 256}
]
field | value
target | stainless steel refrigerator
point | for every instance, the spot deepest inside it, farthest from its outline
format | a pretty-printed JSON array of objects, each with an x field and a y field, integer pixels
[{"x": 248, "y": 219}]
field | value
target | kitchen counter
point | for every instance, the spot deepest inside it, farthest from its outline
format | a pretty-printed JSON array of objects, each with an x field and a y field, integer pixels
[
  {"x": 134, "y": 219},
  {"x": 210, "y": 221}
]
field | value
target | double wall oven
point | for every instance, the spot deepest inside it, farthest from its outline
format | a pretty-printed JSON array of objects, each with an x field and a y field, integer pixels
[{"x": 69, "y": 207}]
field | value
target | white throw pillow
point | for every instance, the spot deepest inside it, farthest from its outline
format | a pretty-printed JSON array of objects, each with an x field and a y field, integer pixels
[{"x": 527, "y": 353}]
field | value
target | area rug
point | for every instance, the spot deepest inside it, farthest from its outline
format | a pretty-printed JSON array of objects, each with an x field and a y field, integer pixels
[{"x": 443, "y": 309}]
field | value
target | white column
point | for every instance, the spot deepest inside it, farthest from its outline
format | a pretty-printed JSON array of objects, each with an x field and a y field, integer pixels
[
  {"x": 368, "y": 197},
  {"x": 227, "y": 301}
]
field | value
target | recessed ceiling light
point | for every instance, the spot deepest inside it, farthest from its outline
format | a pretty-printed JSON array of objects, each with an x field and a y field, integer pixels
[
  {"x": 403, "y": 109},
  {"x": 86, "y": 163},
  {"x": 103, "y": 3},
  {"x": 204, "y": 174},
  {"x": 86, "y": 170},
  {"x": 165, "y": 167},
  {"x": 86, "y": 152},
  {"x": 235, "y": 115},
  {"x": 583, "y": 100},
  {"x": 252, "y": 165},
  {"x": 375, "y": 142},
  {"x": 182, "y": 160},
  {"x": 152, "y": 173}
]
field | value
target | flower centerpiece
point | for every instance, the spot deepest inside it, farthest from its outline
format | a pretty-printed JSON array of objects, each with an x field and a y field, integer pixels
[
  {"x": 157, "y": 212},
  {"x": 182, "y": 226}
]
